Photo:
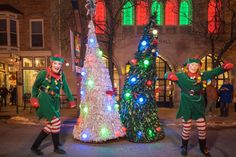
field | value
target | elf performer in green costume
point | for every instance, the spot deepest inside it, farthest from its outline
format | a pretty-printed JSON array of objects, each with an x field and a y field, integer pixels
[
  {"x": 192, "y": 103},
  {"x": 46, "y": 98}
]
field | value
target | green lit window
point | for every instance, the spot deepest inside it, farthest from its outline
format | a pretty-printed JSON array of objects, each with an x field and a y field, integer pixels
[
  {"x": 128, "y": 14},
  {"x": 158, "y": 8},
  {"x": 185, "y": 16}
]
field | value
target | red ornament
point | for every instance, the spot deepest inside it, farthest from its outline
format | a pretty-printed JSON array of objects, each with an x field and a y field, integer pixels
[
  {"x": 134, "y": 61},
  {"x": 109, "y": 93},
  {"x": 158, "y": 129},
  {"x": 117, "y": 134},
  {"x": 149, "y": 82},
  {"x": 155, "y": 41},
  {"x": 124, "y": 129},
  {"x": 135, "y": 95}
]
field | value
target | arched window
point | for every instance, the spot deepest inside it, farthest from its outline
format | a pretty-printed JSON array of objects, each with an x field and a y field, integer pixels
[
  {"x": 185, "y": 14},
  {"x": 164, "y": 88},
  {"x": 171, "y": 13},
  {"x": 158, "y": 8},
  {"x": 214, "y": 15},
  {"x": 142, "y": 13},
  {"x": 116, "y": 78},
  {"x": 128, "y": 14},
  {"x": 100, "y": 17},
  {"x": 207, "y": 65}
]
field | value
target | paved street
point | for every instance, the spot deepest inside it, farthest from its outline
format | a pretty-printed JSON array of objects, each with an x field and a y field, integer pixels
[{"x": 16, "y": 139}]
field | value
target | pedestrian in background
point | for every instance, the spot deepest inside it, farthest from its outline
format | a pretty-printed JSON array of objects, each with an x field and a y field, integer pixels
[
  {"x": 226, "y": 97},
  {"x": 4, "y": 92},
  {"x": 46, "y": 98},
  {"x": 212, "y": 97}
]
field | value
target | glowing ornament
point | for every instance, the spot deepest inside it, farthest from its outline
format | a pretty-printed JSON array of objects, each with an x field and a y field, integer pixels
[
  {"x": 151, "y": 133},
  {"x": 117, "y": 133},
  {"x": 100, "y": 53},
  {"x": 139, "y": 134},
  {"x": 116, "y": 106},
  {"x": 158, "y": 129},
  {"x": 90, "y": 83},
  {"x": 134, "y": 61},
  {"x": 85, "y": 109},
  {"x": 84, "y": 135},
  {"x": 83, "y": 73},
  {"x": 104, "y": 132},
  {"x": 146, "y": 63},
  {"x": 124, "y": 129},
  {"x": 109, "y": 108},
  {"x": 144, "y": 43},
  {"x": 67, "y": 64},
  {"x": 82, "y": 93},
  {"x": 142, "y": 99},
  {"x": 127, "y": 95},
  {"x": 153, "y": 50},
  {"x": 149, "y": 83},
  {"x": 154, "y": 32},
  {"x": 91, "y": 40}
]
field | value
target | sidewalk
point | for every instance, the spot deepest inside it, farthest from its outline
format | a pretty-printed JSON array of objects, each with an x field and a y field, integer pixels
[{"x": 166, "y": 115}]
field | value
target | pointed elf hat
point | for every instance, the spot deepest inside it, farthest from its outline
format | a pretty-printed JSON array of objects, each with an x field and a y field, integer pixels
[
  {"x": 57, "y": 57},
  {"x": 192, "y": 60}
]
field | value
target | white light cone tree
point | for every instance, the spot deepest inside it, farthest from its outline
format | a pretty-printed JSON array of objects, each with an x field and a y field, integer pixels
[{"x": 99, "y": 119}]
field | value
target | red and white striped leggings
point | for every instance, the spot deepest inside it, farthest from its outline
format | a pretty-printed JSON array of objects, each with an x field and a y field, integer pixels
[
  {"x": 53, "y": 126},
  {"x": 201, "y": 126}
]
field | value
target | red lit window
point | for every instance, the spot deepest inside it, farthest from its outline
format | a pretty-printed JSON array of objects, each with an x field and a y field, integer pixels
[
  {"x": 100, "y": 17},
  {"x": 141, "y": 13},
  {"x": 214, "y": 15},
  {"x": 171, "y": 13}
]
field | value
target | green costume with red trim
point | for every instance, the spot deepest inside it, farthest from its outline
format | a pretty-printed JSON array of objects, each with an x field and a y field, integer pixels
[
  {"x": 192, "y": 103},
  {"x": 47, "y": 89}
]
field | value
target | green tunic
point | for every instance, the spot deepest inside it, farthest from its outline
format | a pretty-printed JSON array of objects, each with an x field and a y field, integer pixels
[
  {"x": 49, "y": 105},
  {"x": 192, "y": 103}
]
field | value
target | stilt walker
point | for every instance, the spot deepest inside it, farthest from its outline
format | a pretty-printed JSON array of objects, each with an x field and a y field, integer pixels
[
  {"x": 46, "y": 98},
  {"x": 192, "y": 104}
]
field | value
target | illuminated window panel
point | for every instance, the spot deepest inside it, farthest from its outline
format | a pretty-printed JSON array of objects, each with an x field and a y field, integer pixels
[
  {"x": 100, "y": 17},
  {"x": 171, "y": 13},
  {"x": 207, "y": 65},
  {"x": 142, "y": 13},
  {"x": 128, "y": 14},
  {"x": 116, "y": 78},
  {"x": 158, "y": 8},
  {"x": 214, "y": 14},
  {"x": 185, "y": 15}
]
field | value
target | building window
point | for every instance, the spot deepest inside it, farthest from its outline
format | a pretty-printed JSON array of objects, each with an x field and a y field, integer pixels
[
  {"x": 171, "y": 13},
  {"x": 158, "y": 8},
  {"x": 39, "y": 62},
  {"x": 142, "y": 13},
  {"x": 100, "y": 17},
  {"x": 27, "y": 62},
  {"x": 128, "y": 14},
  {"x": 163, "y": 88},
  {"x": 3, "y": 32},
  {"x": 36, "y": 33},
  {"x": 207, "y": 65},
  {"x": 13, "y": 34},
  {"x": 214, "y": 16},
  {"x": 185, "y": 14}
]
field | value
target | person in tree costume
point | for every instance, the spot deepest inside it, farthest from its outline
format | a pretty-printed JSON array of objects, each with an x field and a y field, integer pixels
[
  {"x": 192, "y": 103},
  {"x": 46, "y": 98}
]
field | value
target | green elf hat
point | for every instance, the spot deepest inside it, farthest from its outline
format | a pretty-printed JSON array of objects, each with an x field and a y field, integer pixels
[
  {"x": 192, "y": 60},
  {"x": 57, "y": 57}
]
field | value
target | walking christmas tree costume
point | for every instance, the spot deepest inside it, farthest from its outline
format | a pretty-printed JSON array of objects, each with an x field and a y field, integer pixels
[
  {"x": 99, "y": 119},
  {"x": 46, "y": 98},
  {"x": 139, "y": 111},
  {"x": 192, "y": 104}
]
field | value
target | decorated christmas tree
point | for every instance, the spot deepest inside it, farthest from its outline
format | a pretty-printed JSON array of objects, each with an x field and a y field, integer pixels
[
  {"x": 99, "y": 117},
  {"x": 139, "y": 111}
]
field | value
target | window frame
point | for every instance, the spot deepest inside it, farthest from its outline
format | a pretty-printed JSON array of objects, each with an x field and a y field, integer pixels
[{"x": 36, "y": 20}]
